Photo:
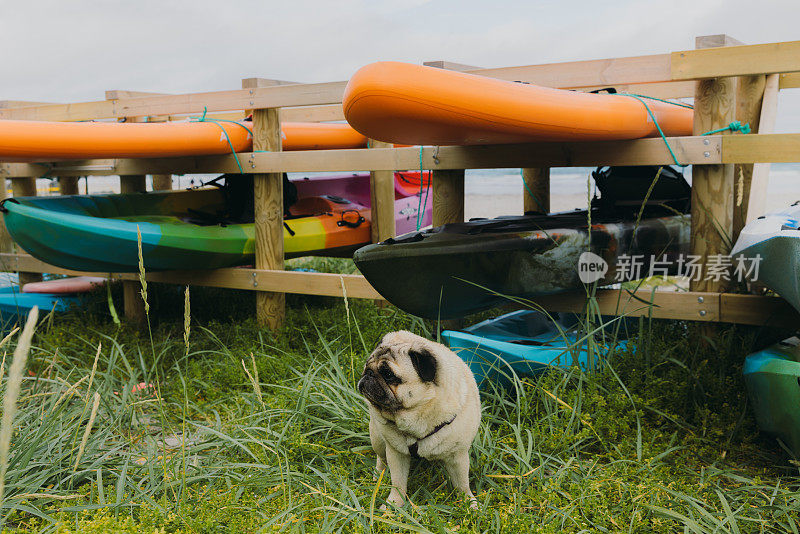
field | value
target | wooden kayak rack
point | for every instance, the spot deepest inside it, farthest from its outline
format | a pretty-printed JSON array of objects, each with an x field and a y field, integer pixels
[{"x": 728, "y": 81}]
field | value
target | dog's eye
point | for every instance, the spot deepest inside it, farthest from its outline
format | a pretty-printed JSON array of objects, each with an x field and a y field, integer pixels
[{"x": 388, "y": 376}]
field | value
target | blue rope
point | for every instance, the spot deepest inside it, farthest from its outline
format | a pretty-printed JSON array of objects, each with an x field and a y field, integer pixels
[
  {"x": 224, "y": 131},
  {"x": 421, "y": 206},
  {"x": 734, "y": 126},
  {"x": 528, "y": 189}
]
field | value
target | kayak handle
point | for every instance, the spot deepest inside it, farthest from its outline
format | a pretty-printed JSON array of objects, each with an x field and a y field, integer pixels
[
  {"x": 350, "y": 224},
  {"x": 3, "y": 208}
]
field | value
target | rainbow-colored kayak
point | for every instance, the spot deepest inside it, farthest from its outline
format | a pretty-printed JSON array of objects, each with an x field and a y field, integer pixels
[{"x": 199, "y": 229}]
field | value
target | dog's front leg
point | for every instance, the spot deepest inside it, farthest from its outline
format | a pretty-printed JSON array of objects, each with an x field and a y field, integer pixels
[
  {"x": 458, "y": 468},
  {"x": 399, "y": 465}
]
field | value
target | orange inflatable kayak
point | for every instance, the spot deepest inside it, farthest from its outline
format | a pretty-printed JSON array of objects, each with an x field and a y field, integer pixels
[
  {"x": 38, "y": 140},
  {"x": 411, "y": 104}
]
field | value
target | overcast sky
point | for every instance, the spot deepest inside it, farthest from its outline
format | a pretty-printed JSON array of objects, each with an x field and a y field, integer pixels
[{"x": 73, "y": 50}]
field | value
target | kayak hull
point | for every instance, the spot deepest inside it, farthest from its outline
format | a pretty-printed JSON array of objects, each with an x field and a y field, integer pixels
[
  {"x": 526, "y": 343},
  {"x": 772, "y": 244},
  {"x": 772, "y": 377},
  {"x": 101, "y": 233},
  {"x": 43, "y": 141},
  {"x": 413, "y": 104},
  {"x": 455, "y": 270}
]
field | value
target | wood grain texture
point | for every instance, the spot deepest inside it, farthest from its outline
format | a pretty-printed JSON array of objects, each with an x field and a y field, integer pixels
[
  {"x": 689, "y": 150},
  {"x": 537, "y": 181},
  {"x": 133, "y": 303},
  {"x": 382, "y": 196},
  {"x": 756, "y": 203},
  {"x": 268, "y": 194},
  {"x": 744, "y": 60},
  {"x": 448, "y": 197},
  {"x": 712, "y": 185},
  {"x": 749, "y": 93},
  {"x": 162, "y": 182}
]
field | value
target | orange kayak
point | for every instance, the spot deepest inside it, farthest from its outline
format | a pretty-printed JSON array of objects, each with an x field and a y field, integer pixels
[
  {"x": 39, "y": 140},
  {"x": 411, "y": 104}
]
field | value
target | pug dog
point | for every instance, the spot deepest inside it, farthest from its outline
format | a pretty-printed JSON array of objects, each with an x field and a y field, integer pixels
[{"x": 423, "y": 402}]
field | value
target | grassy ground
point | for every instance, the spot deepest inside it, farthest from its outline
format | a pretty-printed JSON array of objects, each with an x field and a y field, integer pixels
[{"x": 249, "y": 431}]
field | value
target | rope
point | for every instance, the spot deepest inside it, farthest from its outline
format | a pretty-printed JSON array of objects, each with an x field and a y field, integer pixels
[
  {"x": 218, "y": 122},
  {"x": 528, "y": 189},
  {"x": 734, "y": 126},
  {"x": 421, "y": 206}
]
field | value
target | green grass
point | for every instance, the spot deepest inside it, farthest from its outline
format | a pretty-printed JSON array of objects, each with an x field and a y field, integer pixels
[{"x": 660, "y": 440}]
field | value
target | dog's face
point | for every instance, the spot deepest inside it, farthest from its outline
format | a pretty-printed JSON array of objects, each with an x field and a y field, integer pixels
[{"x": 400, "y": 373}]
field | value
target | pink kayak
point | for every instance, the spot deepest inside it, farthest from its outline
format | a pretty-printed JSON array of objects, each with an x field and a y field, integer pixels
[
  {"x": 61, "y": 286},
  {"x": 355, "y": 187}
]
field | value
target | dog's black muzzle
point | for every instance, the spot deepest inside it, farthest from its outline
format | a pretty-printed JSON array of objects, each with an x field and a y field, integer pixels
[{"x": 375, "y": 390}]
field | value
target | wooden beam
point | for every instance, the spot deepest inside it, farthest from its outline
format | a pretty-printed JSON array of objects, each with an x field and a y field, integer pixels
[
  {"x": 450, "y": 65},
  {"x": 323, "y": 284},
  {"x": 736, "y": 61},
  {"x": 247, "y": 83},
  {"x": 775, "y": 148},
  {"x": 790, "y": 80},
  {"x": 706, "y": 149},
  {"x": 268, "y": 195},
  {"x": 756, "y": 202},
  {"x": 6, "y": 104},
  {"x": 692, "y": 306},
  {"x": 712, "y": 185},
  {"x": 382, "y": 197},
  {"x": 725, "y": 307},
  {"x": 120, "y": 94}
]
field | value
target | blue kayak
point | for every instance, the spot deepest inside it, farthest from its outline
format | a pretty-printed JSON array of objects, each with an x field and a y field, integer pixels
[
  {"x": 15, "y": 306},
  {"x": 772, "y": 377},
  {"x": 527, "y": 342}
]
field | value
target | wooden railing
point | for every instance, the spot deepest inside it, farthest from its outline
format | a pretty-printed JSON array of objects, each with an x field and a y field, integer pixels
[{"x": 728, "y": 82}]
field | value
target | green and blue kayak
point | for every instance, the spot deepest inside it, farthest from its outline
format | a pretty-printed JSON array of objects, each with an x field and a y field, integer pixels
[
  {"x": 528, "y": 342},
  {"x": 773, "y": 383}
]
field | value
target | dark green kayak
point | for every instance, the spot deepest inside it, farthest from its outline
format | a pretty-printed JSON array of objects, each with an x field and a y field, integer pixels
[
  {"x": 453, "y": 270},
  {"x": 458, "y": 269},
  {"x": 773, "y": 383}
]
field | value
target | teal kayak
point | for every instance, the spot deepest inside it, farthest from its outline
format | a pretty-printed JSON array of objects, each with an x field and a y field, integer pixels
[
  {"x": 768, "y": 251},
  {"x": 528, "y": 342},
  {"x": 15, "y": 306},
  {"x": 772, "y": 376}
]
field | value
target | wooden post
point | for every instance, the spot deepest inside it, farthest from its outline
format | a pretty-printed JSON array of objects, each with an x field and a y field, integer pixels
[
  {"x": 6, "y": 244},
  {"x": 25, "y": 187},
  {"x": 754, "y": 192},
  {"x": 448, "y": 196},
  {"x": 381, "y": 192},
  {"x": 162, "y": 182},
  {"x": 268, "y": 195},
  {"x": 132, "y": 297},
  {"x": 712, "y": 185},
  {"x": 68, "y": 185},
  {"x": 537, "y": 183}
]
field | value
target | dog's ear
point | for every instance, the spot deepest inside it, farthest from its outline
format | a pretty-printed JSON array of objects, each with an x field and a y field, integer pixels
[{"x": 424, "y": 363}]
